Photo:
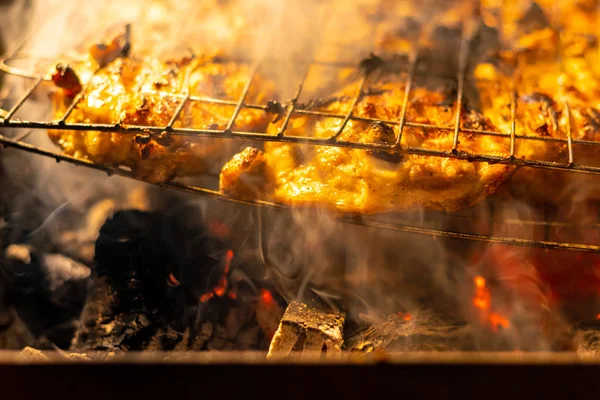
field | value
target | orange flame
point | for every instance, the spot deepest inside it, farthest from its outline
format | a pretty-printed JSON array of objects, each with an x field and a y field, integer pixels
[
  {"x": 221, "y": 288},
  {"x": 598, "y": 316},
  {"x": 483, "y": 301}
]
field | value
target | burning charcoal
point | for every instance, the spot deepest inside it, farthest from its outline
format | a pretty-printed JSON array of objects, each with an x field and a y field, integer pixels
[
  {"x": 47, "y": 291},
  {"x": 150, "y": 281},
  {"x": 308, "y": 329},
  {"x": 268, "y": 313}
]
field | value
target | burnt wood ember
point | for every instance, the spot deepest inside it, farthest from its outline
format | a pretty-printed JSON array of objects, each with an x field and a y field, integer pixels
[
  {"x": 159, "y": 283},
  {"x": 308, "y": 329}
]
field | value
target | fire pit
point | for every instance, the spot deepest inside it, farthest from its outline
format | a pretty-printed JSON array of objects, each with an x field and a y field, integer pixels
[{"x": 302, "y": 183}]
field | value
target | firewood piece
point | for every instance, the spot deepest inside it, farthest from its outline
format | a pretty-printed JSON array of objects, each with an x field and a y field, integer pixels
[{"x": 308, "y": 329}]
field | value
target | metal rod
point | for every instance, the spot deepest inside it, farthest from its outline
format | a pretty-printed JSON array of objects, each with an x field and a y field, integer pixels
[
  {"x": 77, "y": 98},
  {"x": 513, "y": 122},
  {"x": 240, "y": 103},
  {"x": 413, "y": 60},
  {"x": 21, "y": 101},
  {"x": 293, "y": 102},
  {"x": 355, "y": 101},
  {"x": 461, "y": 155},
  {"x": 178, "y": 110},
  {"x": 463, "y": 61},
  {"x": 569, "y": 134},
  {"x": 364, "y": 221}
]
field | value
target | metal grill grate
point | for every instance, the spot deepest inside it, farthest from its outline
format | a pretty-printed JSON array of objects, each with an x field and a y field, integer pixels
[{"x": 8, "y": 120}]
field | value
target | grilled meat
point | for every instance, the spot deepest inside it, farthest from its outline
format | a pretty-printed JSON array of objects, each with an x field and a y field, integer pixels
[
  {"x": 362, "y": 181},
  {"x": 551, "y": 73},
  {"x": 137, "y": 92}
]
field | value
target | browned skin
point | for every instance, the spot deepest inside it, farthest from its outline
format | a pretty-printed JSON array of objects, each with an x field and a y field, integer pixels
[
  {"x": 134, "y": 92},
  {"x": 545, "y": 83},
  {"x": 359, "y": 181}
]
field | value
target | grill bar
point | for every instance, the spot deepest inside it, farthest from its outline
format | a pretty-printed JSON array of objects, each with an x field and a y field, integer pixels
[
  {"x": 76, "y": 100},
  {"x": 513, "y": 122},
  {"x": 569, "y": 133},
  {"x": 413, "y": 61},
  {"x": 363, "y": 221},
  {"x": 22, "y": 100},
  {"x": 292, "y": 106},
  {"x": 240, "y": 103},
  {"x": 461, "y": 155},
  {"x": 463, "y": 61},
  {"x": 359, "y": 92}
]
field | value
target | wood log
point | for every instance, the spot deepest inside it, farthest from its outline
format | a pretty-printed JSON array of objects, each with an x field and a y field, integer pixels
[{"x": 308, "y": 329}]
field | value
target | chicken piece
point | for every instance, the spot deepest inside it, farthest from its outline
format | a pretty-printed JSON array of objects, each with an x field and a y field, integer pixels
[
  {"x": 545, "y": 83},
  {"x": 366, "y": 181},
  {"x": 134, "y": 92}
]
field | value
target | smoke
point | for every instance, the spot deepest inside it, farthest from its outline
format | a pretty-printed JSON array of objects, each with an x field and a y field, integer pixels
[{"x": 306, "y": 254}]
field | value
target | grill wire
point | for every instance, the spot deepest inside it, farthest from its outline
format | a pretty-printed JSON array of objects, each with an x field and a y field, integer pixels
[{"x": 8, "y": 120}]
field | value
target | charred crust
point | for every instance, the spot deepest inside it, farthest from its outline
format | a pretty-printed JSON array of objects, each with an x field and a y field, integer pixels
[
  {"x": 370, "y": 64},
  {"x": 384, "y": 134},
  {"x": 249, "y": 156},
  {"x": 276, "y": 108},
  {"x": 147, "y": 150},
  {"x": 65, "y": 78}
]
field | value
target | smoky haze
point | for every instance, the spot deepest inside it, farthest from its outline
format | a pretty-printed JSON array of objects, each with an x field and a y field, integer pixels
[{"x": 364, "y": 269}]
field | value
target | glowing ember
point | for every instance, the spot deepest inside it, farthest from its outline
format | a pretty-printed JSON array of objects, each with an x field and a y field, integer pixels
[
  {"x": 405, "y": 316},
  {"x": 268, "y": 313},
  {"x": 173, "y": 281},
  {"x": 598, "y": 316},
  {"x": 483, "y": 301},
  {"x": 498, "y": 320},
  {"x": 267, "y": 298},
  {"x": 221, "y": 288},
  {"x": 482, "y": 297},
  {"x": 206, "y": 297}
]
